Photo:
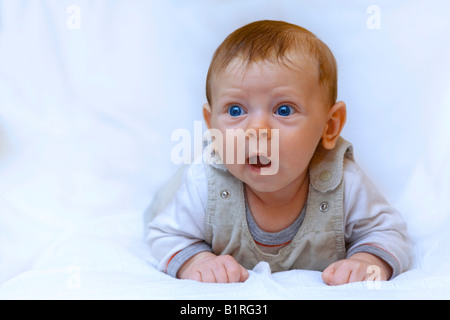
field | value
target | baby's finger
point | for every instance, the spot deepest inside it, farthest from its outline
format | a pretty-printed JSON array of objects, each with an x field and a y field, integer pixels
[
  {"x": 235, "y": 272},
  {"x": 220, "y": 273},
  {"x": 207, "y": 275},
  {"x": 341, "y": 275},
  {"x": 196, "y": 276},
  {"x": 244, "y": 274},
  {"x": 358, "y": 273},
  {"x": 328, "y": 274}
]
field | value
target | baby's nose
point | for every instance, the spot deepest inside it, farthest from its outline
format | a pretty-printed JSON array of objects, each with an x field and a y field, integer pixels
[
  {"x": 258, "y": 127},
  {"x": 261, "y": 133}
]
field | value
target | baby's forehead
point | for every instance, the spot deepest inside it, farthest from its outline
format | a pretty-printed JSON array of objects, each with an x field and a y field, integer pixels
[{"x": 296, "y": 61}]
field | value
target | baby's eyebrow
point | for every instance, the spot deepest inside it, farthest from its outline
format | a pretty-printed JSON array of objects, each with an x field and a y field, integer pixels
[
  {"x": 285, "y": 90},
  {"x": 231, "y": 92}
]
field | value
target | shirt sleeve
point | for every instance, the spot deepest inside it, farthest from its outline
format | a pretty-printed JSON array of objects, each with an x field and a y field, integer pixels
[
  {"x": 181, "y": 224},
  {"x": 372, "y": 225}
]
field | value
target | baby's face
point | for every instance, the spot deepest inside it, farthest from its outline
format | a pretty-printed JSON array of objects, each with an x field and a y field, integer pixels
[{"x": 287, "y": 103}]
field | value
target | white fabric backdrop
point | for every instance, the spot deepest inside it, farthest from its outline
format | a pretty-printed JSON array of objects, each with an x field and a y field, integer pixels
[{"x": 89, "y": 99}]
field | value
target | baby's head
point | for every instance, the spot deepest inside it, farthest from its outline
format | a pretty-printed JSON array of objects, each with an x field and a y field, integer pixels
[
  {"x": 276, "y": 42},
  {"x": 276, "y": 82}
]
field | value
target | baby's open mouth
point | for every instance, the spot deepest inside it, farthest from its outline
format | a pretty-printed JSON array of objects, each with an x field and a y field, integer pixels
[{"x": 259, "y": 161}]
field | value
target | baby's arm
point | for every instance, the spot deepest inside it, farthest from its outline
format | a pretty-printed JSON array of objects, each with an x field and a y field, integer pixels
[
  {"x": 177, "y": 232},
  {"x": 375, "y": 234},
  {"x": 207, "y": 267},
  {"x": 196, "y": 261},
  {"x": 361, "y": 266},
  {"x": 176, "y": 236}
]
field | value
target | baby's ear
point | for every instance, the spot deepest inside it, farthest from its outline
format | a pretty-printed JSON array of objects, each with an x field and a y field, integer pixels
[
  {"x": 207, "y": 115},
  {"x": 336, "y": 121}
]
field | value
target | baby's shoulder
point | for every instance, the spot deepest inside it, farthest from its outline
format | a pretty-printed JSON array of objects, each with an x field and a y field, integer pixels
[
  {"x": 196, "y": 172},
  {"x": 351, "y": 167},
  {"x": 352, "y": 174},
  {"x": 195, "y": 179},
  {"x": 356, "y": 182}
]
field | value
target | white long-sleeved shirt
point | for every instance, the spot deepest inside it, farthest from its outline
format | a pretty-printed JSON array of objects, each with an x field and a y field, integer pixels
[{"x": 371, "y": 224}]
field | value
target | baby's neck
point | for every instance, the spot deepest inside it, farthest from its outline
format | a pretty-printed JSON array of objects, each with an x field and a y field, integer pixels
[{"x": 274, "y": 211}]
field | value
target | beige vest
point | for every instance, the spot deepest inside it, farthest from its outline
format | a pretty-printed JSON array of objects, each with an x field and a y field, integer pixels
[{"x": 320, "y": 239}]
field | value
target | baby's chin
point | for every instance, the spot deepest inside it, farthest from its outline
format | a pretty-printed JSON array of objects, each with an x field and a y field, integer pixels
[{"x": 262, "y": 188}]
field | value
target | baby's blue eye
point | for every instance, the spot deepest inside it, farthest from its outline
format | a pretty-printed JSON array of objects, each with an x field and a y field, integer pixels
[
  {"x": 235, "y": 111},
  {"x": 284, "y": 110}
]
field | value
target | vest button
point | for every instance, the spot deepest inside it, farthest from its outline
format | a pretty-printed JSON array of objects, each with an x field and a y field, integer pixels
[
  {"x": 225, "y": 194},
  {"x": 325, "y": 176},
  {"x": 323, "y": 207}
]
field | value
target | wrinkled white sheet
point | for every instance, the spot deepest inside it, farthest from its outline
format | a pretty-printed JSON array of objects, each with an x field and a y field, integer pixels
[
  {"x": 106, "y": 259},
  {"x": 87, "y": 108}
]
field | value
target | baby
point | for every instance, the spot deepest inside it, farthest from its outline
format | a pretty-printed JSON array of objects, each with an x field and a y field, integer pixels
[{"x": 289, "y": 192}]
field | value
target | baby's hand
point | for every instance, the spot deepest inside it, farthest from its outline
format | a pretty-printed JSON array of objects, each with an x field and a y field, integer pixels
[
  {"x": 359, "y": 267},
  {"x": 207, "y": 267}
]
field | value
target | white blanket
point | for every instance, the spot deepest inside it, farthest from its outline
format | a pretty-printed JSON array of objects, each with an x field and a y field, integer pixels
[
  {"x": 91, "y": 92},
  {"x": 105, "y": 258}
]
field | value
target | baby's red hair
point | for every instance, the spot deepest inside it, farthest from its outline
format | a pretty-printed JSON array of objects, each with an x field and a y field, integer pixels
[{"x": 269, "y": 40}]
